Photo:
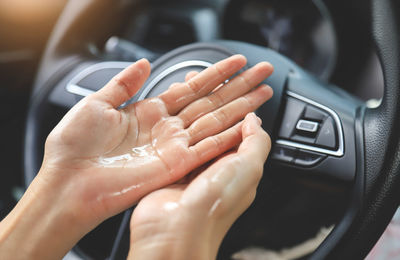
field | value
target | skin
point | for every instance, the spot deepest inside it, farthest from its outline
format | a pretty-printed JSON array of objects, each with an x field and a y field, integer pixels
[
  {"x": 189, "y": 220},
  {"x": 100, "y": 160}
]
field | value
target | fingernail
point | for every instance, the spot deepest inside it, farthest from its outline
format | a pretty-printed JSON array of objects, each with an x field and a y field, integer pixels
[
  {"x": 139, "y": 69},
  {"x": 254, "y": 118},
  {"x": 239, "y": 56},
  {"x": 259, "y": 121},
  {"x": 268, "y": 64}
]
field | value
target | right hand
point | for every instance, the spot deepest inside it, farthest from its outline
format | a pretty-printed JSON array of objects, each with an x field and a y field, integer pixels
[{"x": 189, "y": 220}]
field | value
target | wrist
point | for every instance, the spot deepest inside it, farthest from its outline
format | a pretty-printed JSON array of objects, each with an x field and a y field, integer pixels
[
  {"x": 172, "y": 241},
  {"x": 43, "y": 225},
  {"x": 170, "y": 246}
]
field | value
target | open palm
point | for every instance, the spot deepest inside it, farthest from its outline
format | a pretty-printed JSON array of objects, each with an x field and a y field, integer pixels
[{"x": 130, "y": 152}]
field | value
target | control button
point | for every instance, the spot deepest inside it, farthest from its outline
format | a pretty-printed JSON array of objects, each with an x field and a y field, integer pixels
[
  {"x": 307, "y": 159},
  {"x": 303, "y": 139},
  {"x": 307, "y": 126},
  {"x": 314, "y": 113},
  {"x": 294, "y": 110},
  {"x": 283, "y": 153},
  {"x": 327, "y": 134}
]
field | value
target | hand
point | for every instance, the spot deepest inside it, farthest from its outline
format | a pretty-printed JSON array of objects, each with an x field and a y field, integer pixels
[
  {"x": 189, "y": 220},
  {"x": 113, "y": 157},
  {"x": 100, "y": 160}
]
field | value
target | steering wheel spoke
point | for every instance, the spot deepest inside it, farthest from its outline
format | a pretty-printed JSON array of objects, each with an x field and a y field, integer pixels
[
  {"x": 85, "y": 79},
  {"x": 316, "y": 135}
]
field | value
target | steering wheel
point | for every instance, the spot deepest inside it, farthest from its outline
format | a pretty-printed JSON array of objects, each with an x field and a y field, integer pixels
[{"x": 318, "y": 130}]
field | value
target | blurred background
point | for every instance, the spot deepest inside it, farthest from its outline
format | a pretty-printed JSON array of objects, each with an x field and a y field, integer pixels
[{"x": 25, "y": 26}]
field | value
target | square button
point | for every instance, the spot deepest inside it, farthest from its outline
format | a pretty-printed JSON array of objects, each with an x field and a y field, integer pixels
[{"x": 307, "y": 126}]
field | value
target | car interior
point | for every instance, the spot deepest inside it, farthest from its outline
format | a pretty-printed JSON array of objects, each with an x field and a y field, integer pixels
[{"x": 331, "y": 183}]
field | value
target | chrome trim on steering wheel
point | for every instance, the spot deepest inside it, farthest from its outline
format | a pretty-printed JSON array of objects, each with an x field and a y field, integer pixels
[
  {"x": 339, "y": 152},
  {"x": 73, "y": 87},
  {"x": 181, "y": 65}
]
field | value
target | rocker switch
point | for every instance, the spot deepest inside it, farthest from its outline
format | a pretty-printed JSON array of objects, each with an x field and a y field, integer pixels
[{"x": 307, "y": 126}]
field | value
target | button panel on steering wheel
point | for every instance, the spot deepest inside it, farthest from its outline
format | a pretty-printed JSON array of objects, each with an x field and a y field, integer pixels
[{"x": 308, "y": 133}]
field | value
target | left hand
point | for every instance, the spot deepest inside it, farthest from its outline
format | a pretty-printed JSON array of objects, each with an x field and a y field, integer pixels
[{"x": 106, "y": 158}]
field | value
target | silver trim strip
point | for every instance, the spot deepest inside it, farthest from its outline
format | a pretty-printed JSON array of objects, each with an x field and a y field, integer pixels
[
  {"x": 159, "y": 77},
  {"x": 77, "y": 90},
  {"x": 339, "y": 152},
  {"x": 73, "y": 87}
]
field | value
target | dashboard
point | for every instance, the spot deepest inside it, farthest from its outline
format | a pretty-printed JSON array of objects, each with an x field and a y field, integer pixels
[
  {"x": 301, "y": 30},
  {"x": 322, "y": 36}
]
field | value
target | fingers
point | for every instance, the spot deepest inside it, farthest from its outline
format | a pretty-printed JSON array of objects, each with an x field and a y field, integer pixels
[
  {"x": 190, "y": 75},
  {"x": 213, "y": 146},
  {"x": 233, "y": 89},
  {"x": 252, "y": 153},
  {"x": 200, "y": 85},
  {"x": 256, "y": 142},
  {"x": 224, "y": 117},
  {"x": 125, "y": 84},
  {"x": 232, "y": 179}
]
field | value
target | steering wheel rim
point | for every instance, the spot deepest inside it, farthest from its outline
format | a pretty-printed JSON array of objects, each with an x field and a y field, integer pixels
[
  {"x": 374, "y": 190},
  {"x": 378, "y": 180}
]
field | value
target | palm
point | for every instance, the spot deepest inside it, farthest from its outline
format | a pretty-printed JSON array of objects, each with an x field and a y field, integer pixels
[
  {"x": 198, "y": 191},
  {"x": 152, "y": 136},
  {"x": 154, "y": 142},
  {"x": 205, "y": 203}
]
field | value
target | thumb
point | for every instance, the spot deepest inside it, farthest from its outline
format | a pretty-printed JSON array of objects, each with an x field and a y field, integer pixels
[
  {"x": 256, "y": 142},
  {"x": 125, "y": 84}
]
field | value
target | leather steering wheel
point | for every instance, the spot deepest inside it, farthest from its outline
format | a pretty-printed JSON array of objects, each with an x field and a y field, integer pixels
[{"x": 318, "y": 130}]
